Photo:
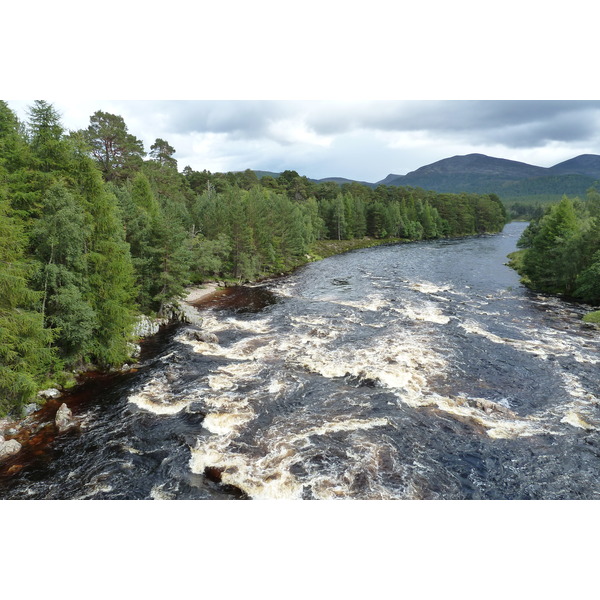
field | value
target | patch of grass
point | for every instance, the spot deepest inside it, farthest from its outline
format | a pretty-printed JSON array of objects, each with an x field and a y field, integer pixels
[
  {"x": 325, "y": 248},
  {"x": 592, "y": 317},
  {"x": 515, "y": 260}
]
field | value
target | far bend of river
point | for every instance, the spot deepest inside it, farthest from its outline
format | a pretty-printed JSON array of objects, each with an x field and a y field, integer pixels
[{"x": 421, "y": 370}]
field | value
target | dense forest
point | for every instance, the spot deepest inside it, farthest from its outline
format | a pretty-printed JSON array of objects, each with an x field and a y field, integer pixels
[
  {"x": 95, "y": 231},
  {"x": 561, "y": 249}
]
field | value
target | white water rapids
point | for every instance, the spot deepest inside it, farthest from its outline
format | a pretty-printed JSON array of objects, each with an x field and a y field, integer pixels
[{"x": 411, "y": 371}]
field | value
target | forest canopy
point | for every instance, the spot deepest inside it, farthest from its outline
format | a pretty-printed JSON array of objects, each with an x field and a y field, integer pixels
[{"x": 94, "y": 231}]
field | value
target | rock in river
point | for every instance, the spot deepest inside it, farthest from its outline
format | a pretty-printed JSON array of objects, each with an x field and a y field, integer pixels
[
  {"x": 8, "y": 448},
  {"x": 64, "y": 418}
]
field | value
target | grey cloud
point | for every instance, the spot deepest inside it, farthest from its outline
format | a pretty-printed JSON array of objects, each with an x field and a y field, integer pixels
[
  {"x": 511, "y": 123},
  {"x": 489, "y": 121},
  {"x": 245, "y": 119}
]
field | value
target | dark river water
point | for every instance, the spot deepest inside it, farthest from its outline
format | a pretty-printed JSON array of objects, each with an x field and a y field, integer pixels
[{"x": 416, "y": 371}]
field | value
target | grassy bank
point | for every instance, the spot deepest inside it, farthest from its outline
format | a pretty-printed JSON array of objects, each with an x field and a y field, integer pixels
[
  {"x": 325, "y": 248},
  {"x": 515, "y": 261},
  {"x": 592, "y": 317}
]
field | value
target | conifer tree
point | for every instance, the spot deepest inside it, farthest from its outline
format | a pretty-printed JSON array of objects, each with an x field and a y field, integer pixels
[
  {"x": 172, "y": 258},
  {"x": 25, "y": 353},
  {"x": 111, "y": 276},
  {"x": 548, "y": 263},
  {"x": 59, "y": 239},
  {"x": 117, "y": 152},
  {"x": 47, "y": 137}
]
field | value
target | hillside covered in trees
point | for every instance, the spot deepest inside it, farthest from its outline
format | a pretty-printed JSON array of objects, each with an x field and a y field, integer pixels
[{"x": 94, "y": 230}]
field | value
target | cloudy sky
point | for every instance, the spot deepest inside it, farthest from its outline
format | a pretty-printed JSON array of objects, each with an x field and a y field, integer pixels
[
  {"x": 324, "y": 88},
  {"x": 358, "y": 139}
]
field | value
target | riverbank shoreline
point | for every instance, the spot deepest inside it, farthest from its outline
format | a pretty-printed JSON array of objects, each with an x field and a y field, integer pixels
[
  {"x": 12, "y": 427},
  {"x": 181, "y": 310},
  {"x": 201, "y": 292}
]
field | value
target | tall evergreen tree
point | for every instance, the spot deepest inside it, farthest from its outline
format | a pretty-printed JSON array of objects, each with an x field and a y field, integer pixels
[
  {"x": 117, "y": 152},
  {"x": 111, "y": 276},
  {"x": 163, "y": 153},
  {"x": 25, "y": 353},
  {"x": 47, "y": 137},
  {"x": 548, "y": 262},
  {"x": 59, "y": 239}
]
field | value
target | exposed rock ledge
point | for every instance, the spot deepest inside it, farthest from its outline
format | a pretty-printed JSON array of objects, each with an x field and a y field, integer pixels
[{"x": 181, "y": 311}]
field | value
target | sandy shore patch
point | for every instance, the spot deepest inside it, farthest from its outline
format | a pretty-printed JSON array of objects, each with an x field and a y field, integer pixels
[{"x": 198, "y": 293}]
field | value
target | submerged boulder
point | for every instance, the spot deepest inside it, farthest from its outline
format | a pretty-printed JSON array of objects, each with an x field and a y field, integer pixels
[
  {"x": 64, "y": 418},
  {"x": 193, "y": 333}
]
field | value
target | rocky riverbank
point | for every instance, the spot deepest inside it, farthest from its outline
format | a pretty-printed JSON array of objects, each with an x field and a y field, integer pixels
[{"x": 12, "y": 430}]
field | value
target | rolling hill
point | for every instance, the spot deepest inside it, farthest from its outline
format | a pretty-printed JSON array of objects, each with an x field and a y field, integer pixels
[{"x": 510, "y": 179}]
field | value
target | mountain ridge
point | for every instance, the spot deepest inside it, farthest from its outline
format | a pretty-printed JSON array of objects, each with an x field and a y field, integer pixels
[{"x": 480, "y": 173}]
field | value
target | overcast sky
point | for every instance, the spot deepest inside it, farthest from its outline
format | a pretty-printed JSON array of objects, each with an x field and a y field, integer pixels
[
  {"x": 508, "y": 59},
  {"x": 363, "y": 140}
]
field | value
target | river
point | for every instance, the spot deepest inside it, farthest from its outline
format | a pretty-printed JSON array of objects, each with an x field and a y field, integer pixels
[{"x": 414, "y": 371}]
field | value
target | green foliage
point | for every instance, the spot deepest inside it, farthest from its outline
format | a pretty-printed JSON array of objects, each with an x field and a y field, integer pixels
[
  {"x": 117, "y": 152},
  {"x": 588, "y": 282},
  {"x": 162, "y": 152},
  {"x": 111, "y": 276},
  {"x": 210, "y": 257},
  {"x": 592, "y": 317},
  {"x": 172, "y": 253},
  {"x": 59, "y": 239},
  {"x": 25, "y": 355},
  {"x": 562, "y": 249}
]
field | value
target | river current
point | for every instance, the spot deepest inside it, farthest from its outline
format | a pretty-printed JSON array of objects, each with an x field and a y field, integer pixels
[{"x": 414, "y": 371}]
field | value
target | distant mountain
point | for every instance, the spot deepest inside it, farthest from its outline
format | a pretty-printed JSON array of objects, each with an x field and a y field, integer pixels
[
  {"x": 478, "y": 173},
  {"x": 479, "y": 164},
  {"x": 342, "y": 180},
  {"x": 471, "y": 173},
  {"x": 338, "y": 180},
  {"x": 585, "y": 164},
  {"x": 391, "y": 179},
  {"x": 261, "y": 174},
  {"x": 481, "y": 174}
]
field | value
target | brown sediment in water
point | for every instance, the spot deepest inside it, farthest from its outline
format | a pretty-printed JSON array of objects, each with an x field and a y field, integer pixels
[{"x": 37, "y": 432}]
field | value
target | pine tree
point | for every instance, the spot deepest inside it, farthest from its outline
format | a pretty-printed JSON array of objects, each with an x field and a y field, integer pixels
[
  {"x": 162, "y": 152},
  {"x": 25, "y": 354},
  {"x": 548, "y": 262},
  {"x": 111, "y": 277},
  {"x": 173, "y": 256},
  {"x": 117, "y": 152},
  {"x": 59, "y": 239},
  {"x": 46, "y": 132}
]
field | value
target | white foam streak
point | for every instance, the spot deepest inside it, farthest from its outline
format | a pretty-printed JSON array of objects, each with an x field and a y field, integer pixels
[
  {"x": 269, "y": 476},
  {"x": 155, "y": 397}
]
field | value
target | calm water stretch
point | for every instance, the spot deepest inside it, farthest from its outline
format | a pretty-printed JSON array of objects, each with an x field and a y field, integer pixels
[{"x": 411, "y": 371}]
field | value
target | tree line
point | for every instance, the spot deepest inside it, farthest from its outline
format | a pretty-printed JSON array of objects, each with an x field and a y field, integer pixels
[
  {"x": 94, "y": 230},
  {"x": 561, "y": 249}
]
